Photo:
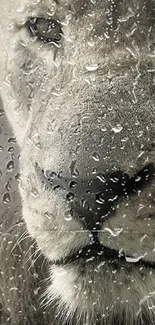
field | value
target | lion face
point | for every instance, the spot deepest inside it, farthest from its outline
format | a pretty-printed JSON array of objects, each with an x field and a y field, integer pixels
[{"x": 77, "y": 82}]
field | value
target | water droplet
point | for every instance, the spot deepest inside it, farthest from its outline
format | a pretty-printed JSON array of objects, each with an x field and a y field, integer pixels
[
  {"x": 114, "y": 179},
  {"x": 134, "y": 259},
  {"x": 6, "y": 198},
  {"x": 140, "y": 134},
  {"x": 17, "y": 176},
  {"x": 125, "y": 139},
  {"x": 104, "y": 129},
  {"x": 60, "y": 174},
  {"x": 114, "y": 232},
  {"x": 69, "y": 197},
  {"x": 99, "y": 198},
  {"x": 96, "y": 156},
  {"x": 100, "y": 253},
  {"x": 10, "y": 166},
  {"x": 137, "y": 179},
  {"x": 127, "y": 16},
  {"x": 84, "y": 204},
  {"x": 12, "y": 156},
  {"x": 56, "y": 187},
  {"x": 49, "y": 129},
  {"x": 73, "y": 184},
  {"x": 75, "y": 173},
  {"x": 91, "y": 43},
  {"x": 73, "y": 169},
  {"x": 11, "y": 149},
  {"x": 140, "y": 155},
  {"x": 1, "y": 148},
  {"x": 34, "y": 192},
  {"x": 92, "y": 67},
  {"x": 13, "y": 140},
  {"x": 38, "y": 145},
  {"x": 49, "y": 174},
  {"x": 1, "y": 113},
  {"x": 113, "y": 199},
  {"x": 8, "y": 186},
  {"x": 101, "y": 178},
  {"x": 101, "y": 141},
  {"x": 142, "y": 238},
  {"x": 68, "y": 217},
  {"x": 48, "y": 215},
  {"x": 118, "y": 128}
]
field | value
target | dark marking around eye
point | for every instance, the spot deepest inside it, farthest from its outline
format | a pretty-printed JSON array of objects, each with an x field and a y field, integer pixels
[{"x": 47, "y": 30}]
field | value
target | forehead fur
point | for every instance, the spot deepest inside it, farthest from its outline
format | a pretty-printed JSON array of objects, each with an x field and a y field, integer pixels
[
  {"x": 116, "y": 7},
  {"x": 115, "y": 11}
]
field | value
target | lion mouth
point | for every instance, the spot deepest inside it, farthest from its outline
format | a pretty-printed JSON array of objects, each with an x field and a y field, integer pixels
[
  {"x": 114, "y": 189},
  {"x": 97, "y": 253}
]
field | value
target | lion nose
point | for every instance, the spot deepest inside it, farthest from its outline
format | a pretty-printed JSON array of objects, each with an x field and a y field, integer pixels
[{"x": 94, "y": 200}]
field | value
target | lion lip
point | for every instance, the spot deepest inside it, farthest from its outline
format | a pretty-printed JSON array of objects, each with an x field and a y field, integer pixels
[
  {"x": 99, "y": 253},
  {"x": 92, "y": 251}
]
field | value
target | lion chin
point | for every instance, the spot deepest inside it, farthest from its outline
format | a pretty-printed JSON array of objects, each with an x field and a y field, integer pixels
[{"x": 77, "y": 83}]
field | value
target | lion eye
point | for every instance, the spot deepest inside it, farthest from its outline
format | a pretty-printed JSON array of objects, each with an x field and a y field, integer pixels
[{"x": 47, "y": 30}]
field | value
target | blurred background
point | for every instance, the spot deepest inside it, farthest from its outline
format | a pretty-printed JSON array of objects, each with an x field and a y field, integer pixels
[
  {"x": 22, "y": 269},
  {"x": 9, "y": 172}
]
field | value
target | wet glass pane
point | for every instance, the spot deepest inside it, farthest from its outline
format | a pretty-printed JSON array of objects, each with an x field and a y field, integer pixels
[{"x": 77, "y": 162}]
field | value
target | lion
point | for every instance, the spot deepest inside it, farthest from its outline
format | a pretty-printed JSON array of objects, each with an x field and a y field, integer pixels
[{"x": 78, "y": 88}]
